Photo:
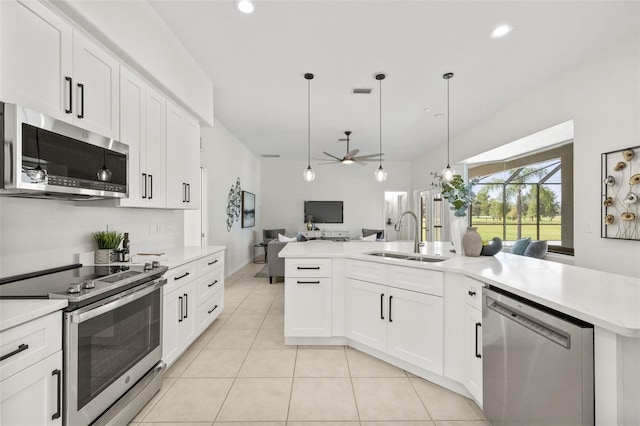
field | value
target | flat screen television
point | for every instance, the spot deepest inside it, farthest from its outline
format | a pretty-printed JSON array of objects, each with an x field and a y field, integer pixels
[{"x": 323, "y": 211}]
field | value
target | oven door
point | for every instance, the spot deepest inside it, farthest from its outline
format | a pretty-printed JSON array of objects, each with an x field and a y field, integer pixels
[{"x": 109, "y": 346}]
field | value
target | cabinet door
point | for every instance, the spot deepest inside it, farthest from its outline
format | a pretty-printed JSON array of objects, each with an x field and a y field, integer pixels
[
  {"x": 191, "y": 131},
  {"x": 32, "y": 396},
  {"x": 96, "y": 91},
  {"x": 176, "y": 159},
  {"x": 415, "y": 331},
  {"x": 307, "y": 311},
  {"x": 132, "y": 133},
  {"x": 365, "y": 313},
  {"x": 36, "y": 58},
  {"x": 473, "y": 351},
  {"x": 171, "y": 319},
  {"x": 154, "y": 190},
  {"x": 189, "y": 325}
]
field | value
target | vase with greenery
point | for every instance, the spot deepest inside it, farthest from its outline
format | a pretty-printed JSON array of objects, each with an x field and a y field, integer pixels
[
  {"x": 106, "y": 241},
  {"x": 460, "y": 195}
]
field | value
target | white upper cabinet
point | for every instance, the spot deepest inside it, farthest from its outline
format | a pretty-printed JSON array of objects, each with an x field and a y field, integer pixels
[
  {"x": 52, "y": 68},
  {"x": 96, "y": 76},
  {"x": 153, "y": 152},
  {"x": 183, "y": 159},
  {"x": 36, "y": 58}
]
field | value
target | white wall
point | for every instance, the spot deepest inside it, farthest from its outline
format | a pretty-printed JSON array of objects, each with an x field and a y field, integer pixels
[
  {"x": 284, "y": 192},
  {"x": 226, "y": 159},
  {"x": 41, "y": 234},
  {"x": 603, "y": 97}
]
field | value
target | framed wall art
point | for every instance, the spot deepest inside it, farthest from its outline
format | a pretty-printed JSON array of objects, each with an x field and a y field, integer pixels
[
  {"x": 620, "y": 192},
  {"x": 248, "y": 209}
]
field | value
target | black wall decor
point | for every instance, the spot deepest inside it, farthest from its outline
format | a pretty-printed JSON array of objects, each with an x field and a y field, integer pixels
[
  {"x": 234, "y": 204},
  {"x": 621, "y": 194}
]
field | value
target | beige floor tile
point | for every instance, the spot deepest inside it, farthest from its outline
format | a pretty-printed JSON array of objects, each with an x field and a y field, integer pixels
[
  {"x": 239, "y": 321},
  {"x": 388, "y": 399},
  {"x": 216, "y": 363},
  {"x": 363, "y": 365},
  {"x": 250, "y": 424},
  {"x": 314, "y": 423},
  {"x": 273, "y": 322},
  {"x": 321, "y": 363},
  {"x": 191, "y": 400},
  {"x": 265, "y": 399},
  {"x": 399, "y": 423},
  {"x": 443, "y": 404},
  {"x": 271, "y": 339},
  {"x": 269, "y": 363},
  {"x": 176, "y": 424},
  {"x": 322, "y": 399},
  {"x": 244, "y": 309},
  {"x": 167, "y": 382},
  {"x": 462, "y": 423},
  {"x": 207, "y": 335},
  {"x": 181, "y": 364},
  {"x": 232, "y": 339}
]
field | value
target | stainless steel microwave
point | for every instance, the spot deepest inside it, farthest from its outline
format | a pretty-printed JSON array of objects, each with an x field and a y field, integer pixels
[{"x": 47, "y": 158}]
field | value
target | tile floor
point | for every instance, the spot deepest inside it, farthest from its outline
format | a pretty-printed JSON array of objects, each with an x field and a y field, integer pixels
[{"x": 240, "y": 373}]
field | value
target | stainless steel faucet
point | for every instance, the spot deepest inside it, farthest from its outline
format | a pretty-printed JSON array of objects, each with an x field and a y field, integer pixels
[{"x": 416, "y": 237}]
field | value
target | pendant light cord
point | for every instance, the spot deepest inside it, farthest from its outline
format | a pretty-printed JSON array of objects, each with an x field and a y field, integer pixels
[
  {"x": 380, "y": 152},
  {"x": 308, "y": 123},
  {"x": 448, "y": 161}
]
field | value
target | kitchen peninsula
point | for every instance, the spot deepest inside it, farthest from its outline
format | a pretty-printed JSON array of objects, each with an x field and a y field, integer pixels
[{"x": 330, "y": 285}]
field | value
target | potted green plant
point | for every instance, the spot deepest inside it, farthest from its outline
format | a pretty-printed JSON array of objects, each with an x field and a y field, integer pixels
[
  {"x": 106, "y": 242},
  {"x": 460, "y": 195}
]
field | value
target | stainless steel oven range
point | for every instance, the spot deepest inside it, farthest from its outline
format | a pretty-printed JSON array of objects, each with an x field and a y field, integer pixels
[{"x": 112, "y": 336}]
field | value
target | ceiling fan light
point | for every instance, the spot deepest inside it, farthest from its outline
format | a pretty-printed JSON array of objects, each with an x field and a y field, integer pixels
[
  {"x": 347, "y": 161},
  {"x": 244, "y": 6},
  {"x": 447, "y": 173},
  {"x": 309, "y": 175},
  {"x": 380, "y": 174}
]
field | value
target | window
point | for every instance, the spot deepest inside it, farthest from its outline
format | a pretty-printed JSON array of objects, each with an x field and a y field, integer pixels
[{"x": 527, "y": 197}]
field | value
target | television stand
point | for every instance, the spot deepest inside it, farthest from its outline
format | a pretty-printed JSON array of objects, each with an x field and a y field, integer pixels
[{"x": 326, "y": 234}]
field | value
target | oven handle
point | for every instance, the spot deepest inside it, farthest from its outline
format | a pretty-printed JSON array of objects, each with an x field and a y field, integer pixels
[{"x": 128, "y": 296}]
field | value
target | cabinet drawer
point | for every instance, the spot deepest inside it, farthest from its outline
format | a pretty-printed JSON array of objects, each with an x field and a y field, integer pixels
[
  {"x": 473, "y": 293},
  {"x": 179, "y": 276},
  {"x": 307, "y": 268},
  {"x": 414, "y": 279},
  {"x": 367, "y": 271},
  {"x": 209, "y": 310},
  {"x": 209, "y": 284},
  {"x": 307, "y": 307},
  {"x": 211, "y": 262},
  {"x": 30, "y": 343}
]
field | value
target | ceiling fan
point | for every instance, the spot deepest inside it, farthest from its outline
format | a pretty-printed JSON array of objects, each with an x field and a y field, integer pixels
[{"x": 350, "y": 157}]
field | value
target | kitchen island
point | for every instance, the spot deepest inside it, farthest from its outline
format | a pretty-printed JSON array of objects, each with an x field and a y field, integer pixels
[{"x": 347, "y": 277}]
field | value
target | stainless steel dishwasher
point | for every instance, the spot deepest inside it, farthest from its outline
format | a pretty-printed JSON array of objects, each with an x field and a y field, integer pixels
[{"x": 537, "y": 364}]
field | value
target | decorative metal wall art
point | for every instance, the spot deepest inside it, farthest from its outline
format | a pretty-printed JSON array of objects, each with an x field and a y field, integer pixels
[
  {"x": 234, "y": 204},
  {"x": 620, "y": 193}
]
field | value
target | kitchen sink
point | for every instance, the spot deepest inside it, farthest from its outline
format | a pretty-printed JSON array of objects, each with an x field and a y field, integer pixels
[{"x": 413, "y": 257}]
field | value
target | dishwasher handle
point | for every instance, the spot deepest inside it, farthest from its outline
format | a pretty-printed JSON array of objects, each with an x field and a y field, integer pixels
[{"x": 527, "y": 321}]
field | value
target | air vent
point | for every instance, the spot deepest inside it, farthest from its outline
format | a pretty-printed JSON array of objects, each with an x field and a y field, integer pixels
[
  {"x": 361, "y": 91},
  {"x": 270, "y": 155}
]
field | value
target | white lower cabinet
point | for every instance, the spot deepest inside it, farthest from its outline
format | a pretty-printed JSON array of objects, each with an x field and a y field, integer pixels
[
  {"x": 415, "y": 329},
  {"x": 307, "y": 298},
  {"x": 193, "y": 299},
  {"x": 32, "y": 397},
  {"x": 473, "y": 351},
  {"x": 179, "y": 322},
  {"x": 403, "y": 323}
]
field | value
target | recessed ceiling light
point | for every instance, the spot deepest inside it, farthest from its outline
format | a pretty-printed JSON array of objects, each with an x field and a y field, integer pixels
[
  {"x": 501, "y": 31},
  {"x": 427, "y": 109},
  {"x": 438, "y": 115},
  {"x": 244, "y": 6}
]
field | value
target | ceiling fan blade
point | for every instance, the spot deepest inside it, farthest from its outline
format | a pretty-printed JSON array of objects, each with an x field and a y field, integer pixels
[
  {"x": 332, "y": 156},
  {"x": 367, "y": 157},
  {"x": 352, "y": 153},
  {"x": 324, "y": 164},
  {"x": 361, "y": 163}
]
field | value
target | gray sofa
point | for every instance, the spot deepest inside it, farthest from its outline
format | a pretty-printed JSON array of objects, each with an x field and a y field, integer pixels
[
  {"x": 275, "y": 264},
  {"x": 269, "y": 235}
]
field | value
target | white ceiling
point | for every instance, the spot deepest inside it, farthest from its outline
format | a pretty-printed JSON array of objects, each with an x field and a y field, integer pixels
[{"x": 257, "y": 62}]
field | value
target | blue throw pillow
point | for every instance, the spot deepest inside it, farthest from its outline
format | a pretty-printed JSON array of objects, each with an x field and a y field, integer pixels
[
  {"x": 536, "y": 249},
  {"x": 520, "y": 246}
]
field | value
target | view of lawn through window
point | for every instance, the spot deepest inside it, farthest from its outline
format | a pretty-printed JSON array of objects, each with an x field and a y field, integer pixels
[{"x": 523, "y": 201}]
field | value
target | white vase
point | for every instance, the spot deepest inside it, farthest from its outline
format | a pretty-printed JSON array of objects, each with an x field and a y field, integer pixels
[{"x": 458, "y": 229}]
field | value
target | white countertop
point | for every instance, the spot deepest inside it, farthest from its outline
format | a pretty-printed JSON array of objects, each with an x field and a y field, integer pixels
[
  {"x": 606, "y": 300},
  {"x": 19, "y": 311},
  {"x": 177, "y": 256}
]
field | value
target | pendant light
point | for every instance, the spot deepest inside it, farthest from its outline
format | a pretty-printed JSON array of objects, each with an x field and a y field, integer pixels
[
  {"x": 308, "y": 174},
  {"x": 380, "y": 174},
  {"x": 448, "y": 172},
  {"x": 104, "y": 174}
]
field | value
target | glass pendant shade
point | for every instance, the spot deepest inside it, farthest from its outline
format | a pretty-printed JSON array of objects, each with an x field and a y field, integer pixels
[
  {"x": 308, "y": 174},
  {"x": 380, "y": 174},
  {"x": 448, "y": 173}
]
